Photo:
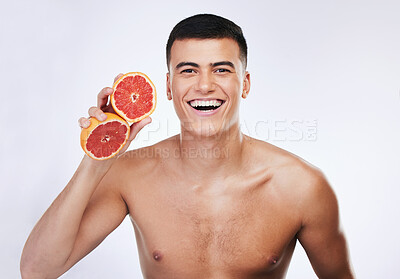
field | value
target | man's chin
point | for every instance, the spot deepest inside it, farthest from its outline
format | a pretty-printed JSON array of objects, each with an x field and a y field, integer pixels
[{"x": 202, "y": 130}]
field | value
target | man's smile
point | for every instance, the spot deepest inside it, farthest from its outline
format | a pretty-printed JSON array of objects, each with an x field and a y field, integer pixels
[{"x": 206, "y": 106}]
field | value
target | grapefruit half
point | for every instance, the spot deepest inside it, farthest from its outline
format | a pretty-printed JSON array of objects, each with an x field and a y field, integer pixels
[
  {"x": 104, "y": 139},
  {"x": 134, "y": 96}
]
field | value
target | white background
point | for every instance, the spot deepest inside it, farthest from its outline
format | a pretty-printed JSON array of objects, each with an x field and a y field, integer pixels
[{"x": 333, "y": 63}]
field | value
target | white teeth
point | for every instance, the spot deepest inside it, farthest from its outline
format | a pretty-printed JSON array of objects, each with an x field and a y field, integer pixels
[{"x": 208, "y": 103}]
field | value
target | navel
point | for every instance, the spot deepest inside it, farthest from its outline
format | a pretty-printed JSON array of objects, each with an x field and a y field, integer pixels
[{"x": 157, "y": 255}]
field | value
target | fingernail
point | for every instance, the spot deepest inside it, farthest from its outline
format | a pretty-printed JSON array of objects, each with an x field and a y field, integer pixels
[
  {"x": 87, "y": 123},
  {"x": 103, "y": 117}
]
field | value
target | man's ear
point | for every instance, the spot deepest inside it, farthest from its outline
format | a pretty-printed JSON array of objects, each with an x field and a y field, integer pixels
[
  {"x": 246, "y": 85},
  {"x": 169, "y": 93}
]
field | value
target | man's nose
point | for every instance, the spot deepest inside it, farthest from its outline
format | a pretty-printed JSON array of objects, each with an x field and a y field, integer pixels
[{"x": 205, "y": 83}]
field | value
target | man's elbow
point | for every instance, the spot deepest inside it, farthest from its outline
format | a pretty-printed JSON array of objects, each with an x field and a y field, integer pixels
[
  {"x": 30, "y": 270},
  {"x": 27, "y": 272},
  {"x": 348, "y": 274},
  {"x": 27, "y": 269},
  {"x": 342, "y": 274}
]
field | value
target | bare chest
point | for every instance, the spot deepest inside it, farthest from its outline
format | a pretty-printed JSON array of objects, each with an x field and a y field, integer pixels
[{"x": 219, "y": 233}]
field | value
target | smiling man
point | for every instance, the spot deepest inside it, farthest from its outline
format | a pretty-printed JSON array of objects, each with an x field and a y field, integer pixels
[{"x": 197, "y": 213}]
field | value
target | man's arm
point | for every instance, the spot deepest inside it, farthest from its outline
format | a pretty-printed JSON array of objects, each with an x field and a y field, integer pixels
[
  {"x": 320, "y": 235},
  {"x": 86, "y": 211}
]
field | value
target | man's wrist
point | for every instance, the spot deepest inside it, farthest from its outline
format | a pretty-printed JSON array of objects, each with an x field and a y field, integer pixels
[{"x": 97, "y": 165}]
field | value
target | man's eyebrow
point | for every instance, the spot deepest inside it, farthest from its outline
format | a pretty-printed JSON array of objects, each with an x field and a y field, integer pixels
[
  {"x": 182, "y": 64},
  {"x": 216, "y": 64},
  {"x": 223, "y": 63}
]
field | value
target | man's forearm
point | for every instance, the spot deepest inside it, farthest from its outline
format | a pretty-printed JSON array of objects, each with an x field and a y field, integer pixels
[{"x": 52, "y": 239}]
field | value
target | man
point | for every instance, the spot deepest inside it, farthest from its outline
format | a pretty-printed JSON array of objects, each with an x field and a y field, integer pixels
[{"x": 210, "y": 202}]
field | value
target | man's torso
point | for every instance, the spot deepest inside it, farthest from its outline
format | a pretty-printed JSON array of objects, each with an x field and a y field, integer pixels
[{"x": 239, "y": 226}]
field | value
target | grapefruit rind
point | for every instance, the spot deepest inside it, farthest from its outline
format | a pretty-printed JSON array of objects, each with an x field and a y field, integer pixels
[
  {"x": 154, "y": 100},
  {"x": 94, "y": 123}
]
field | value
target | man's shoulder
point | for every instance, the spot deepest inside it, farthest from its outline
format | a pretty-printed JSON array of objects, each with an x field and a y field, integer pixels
[
  {"x": 287, "y": 169},
  {"x": 147, "y": 157},
  {"x": 300, "y": 187},
  {"x": 139, "y": 166},
  {"x": 275, "y": 156}
]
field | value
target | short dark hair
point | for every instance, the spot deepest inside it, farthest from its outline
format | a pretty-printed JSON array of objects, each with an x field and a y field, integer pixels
[{"x": 208, "y": 26}]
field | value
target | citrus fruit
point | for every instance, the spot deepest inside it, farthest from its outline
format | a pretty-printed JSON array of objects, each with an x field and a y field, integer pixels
[
  {"x": 134, "y": 96},
  {"x": 104, "y": 139}
]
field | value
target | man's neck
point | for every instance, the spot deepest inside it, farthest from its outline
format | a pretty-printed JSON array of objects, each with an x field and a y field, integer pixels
[{"x": 206, "y": 156}]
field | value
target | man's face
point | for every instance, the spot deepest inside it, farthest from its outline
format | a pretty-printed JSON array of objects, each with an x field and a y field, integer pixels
[{"x": 205, "y": 82}]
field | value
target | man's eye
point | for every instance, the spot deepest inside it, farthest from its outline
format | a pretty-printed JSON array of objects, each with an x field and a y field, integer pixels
[
  {"x": 189, "y": 71},
  {"x": 222, "y": 70}
]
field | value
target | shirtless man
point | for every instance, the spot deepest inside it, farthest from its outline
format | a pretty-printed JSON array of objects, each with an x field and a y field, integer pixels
[{"x": 210, "y": 202}]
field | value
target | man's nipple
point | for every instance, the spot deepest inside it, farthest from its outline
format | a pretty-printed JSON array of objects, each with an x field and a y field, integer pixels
[
  {"x": 157, "y": 255},
  {"x": 273, "y": 260}
]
